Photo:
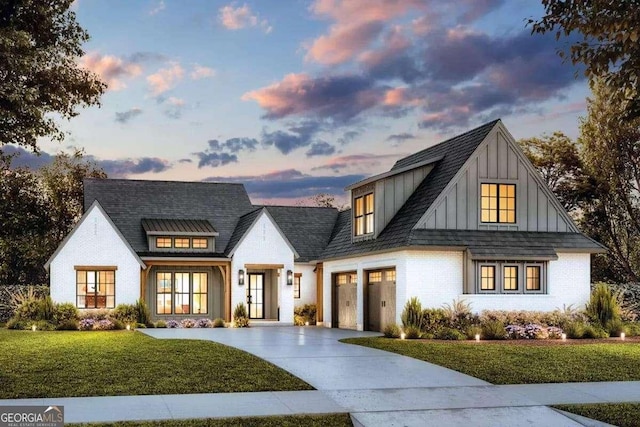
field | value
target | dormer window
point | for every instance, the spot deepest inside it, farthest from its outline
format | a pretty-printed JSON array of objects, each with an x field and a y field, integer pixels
[
  {"x": 198, "y": 243},
  {"x": 363, "y": 219},
  {"x": 498, "y": 203},
  {"x": 163, "y": 242},
  {"x": 181, "y": 243}
]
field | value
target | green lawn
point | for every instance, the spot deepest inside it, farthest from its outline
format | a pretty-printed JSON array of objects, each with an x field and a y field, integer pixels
[
  {"x": 618, "y": 414},
  {"x": 330, "y": 420},
  {"x": 116, "y": 363},
  {"x": 509, "y": 362}
]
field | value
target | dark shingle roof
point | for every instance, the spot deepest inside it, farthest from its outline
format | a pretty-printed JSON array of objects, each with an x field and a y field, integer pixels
[
  {"x": 455, "y": 153},
  {"x": 244, "y": 223},
  {"x": 127, "y": 202},
  {"x": 307, "y": 228},
  {"x": 170, "y": 226}
]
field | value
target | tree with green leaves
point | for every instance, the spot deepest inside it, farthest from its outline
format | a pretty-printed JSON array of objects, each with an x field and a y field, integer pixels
[
  {"x": 611, "y": 155},
  {"x": 557, "y": 158},
  {"x": 609, "y": 45},
  {"x": 62, "y": 188},
  {"x": 40, "y": 44}
]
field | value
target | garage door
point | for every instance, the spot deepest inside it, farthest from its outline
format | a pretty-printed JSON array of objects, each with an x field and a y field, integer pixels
[
  {"x": 381, "y": 299},
  {"x": 345, "y": 301}
]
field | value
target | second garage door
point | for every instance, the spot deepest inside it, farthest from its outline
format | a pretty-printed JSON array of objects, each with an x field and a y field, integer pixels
[
  {"x": 345, "y": 300},
  {"x": 381, "y": 299}
]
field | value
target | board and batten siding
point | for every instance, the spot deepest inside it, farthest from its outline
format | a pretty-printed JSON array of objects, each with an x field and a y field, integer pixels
[
  {"x": 497, "y": 160},
  {"x": 392, "y": 192}
]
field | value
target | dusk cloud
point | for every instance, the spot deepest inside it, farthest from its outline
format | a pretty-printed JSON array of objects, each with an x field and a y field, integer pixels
[
  {"x": 220, "y": 153},
  {"x": 165, "y": 79},
  {"x": 297, "y": 135},
  {"x": 321, "y": 148},
  {"x": 201, "y": 72},
  {"x": 236, "y": 18},
  {"x": 111, "y": 69},
  {"x": 214, "y": 159},
  {"x": 368, "y": 162},
  {"x": 290, "y": 184},
  {"x": 399, "y": 138},
  {"x": 125, "y": 116}
]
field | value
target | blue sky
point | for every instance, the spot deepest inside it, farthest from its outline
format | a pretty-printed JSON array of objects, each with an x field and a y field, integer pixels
[{"x": 300, "y": 97}]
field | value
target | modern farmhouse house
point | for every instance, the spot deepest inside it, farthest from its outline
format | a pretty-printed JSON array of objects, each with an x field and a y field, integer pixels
[{"x": 469, "y": 218}]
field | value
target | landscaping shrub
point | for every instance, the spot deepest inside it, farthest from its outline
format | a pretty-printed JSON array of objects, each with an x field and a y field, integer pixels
[
  {"x": 604, "y": 304},
  {"x": 104, "y": 325},
  {"x": 68, "y": 325},
  {"x": 188, "y": 323},
  {"x": 633, "y": 329},
  {"x": 218, "y": 323},
  {"x": 558, "y": 318},
  {"x": 629, "y": 294},
  {"x": 87, "y": 324},
  {"x": 240, "y": 317},
  {"x": 450, "y": 334},
  {"x": 95, "y": 314},
  {"x": 554, "y": 332},
  {"x": 591, "y": 331},
  {"x": 203, "y": 323},
  {"x": 305, "y": 313},
  {"x": 392, "y": 331},
  {"x": 140, "y": 326},
  {"x": 126, "y": 313},
  {"x": 472, "y": 331},
  {"x": 65, "y": 312},
  {"x": 412, "y": 332},
  {"x": 615, "y": 327},
  {"x": 11, "y": 296},
  {"x": 531, "y": 331},
  {"x": 161, "y": 324},
  {"x": 143, "y": 315},
  {"x": 412, "y": 314},
  {"x": 459, "y": 315},
  {"x": 575, "y": 330},
  {"x": 43, "y": 325},
  {"x": 493, "y": 330},
  {"x": 433, "y": 319},
  {"x": 173, "y": 324},
  {"x": 17, "y": 324}
]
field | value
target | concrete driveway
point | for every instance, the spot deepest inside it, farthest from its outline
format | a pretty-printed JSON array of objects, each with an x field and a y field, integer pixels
[{"x": 380, "y": 388}]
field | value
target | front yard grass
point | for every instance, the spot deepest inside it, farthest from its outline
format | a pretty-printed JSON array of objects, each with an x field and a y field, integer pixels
[
  {"x": 119, "y": 363},
  {"x": 328, "y": 420},
  {"x": 617, "y": 414},
  {"x": 513, "y": 362}
]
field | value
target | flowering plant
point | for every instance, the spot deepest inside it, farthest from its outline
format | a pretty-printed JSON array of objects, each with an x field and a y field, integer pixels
[
  {"x": 87, "y": 324},
  {"x": 203, "y": 323},
  {"x": 188, "y": 323},
  {"x": 172, "y": 324}
]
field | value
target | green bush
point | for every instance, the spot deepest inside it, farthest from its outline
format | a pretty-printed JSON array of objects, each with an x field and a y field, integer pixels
[
  {"x": 412, "y": 332},
  {"x": 450, "y": 334},
  {"x": 575, "y": 330},
  {"x": 65, "y": 312},
  {"x": 96, "y": 314},
  {"x": 118, "y": 325},
  {"x": 240, "y": 317},
  {"x": 591, "y": 331},
  {"x": 604, "y": 305},
  {"x": 472, "y": 331},
  {"x": 218, "y": 323},
  {"x": 412, "y": 314},
  {"x": 143, "y": 313},
  {"x": 141, "y": 326},
  {"x": 67, "y": 325},
  {"x": 493, "y": 330},
  {"x": 161, "y": 324},
  {"x": 391, "y": 331},
  {"x": 433, "y": 319},
  {"x": 459, "y": 315},
  {"x": 15, "y": 323},
  {"x": 305, "y": 313},
  {"x": 633, "y": 329},
  {"x": 125, "y": 313},
  {"x": 615, "y": 328},
  {"x": 11, "y": 296}
]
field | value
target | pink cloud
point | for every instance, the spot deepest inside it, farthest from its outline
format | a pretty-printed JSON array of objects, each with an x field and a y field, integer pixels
[
  {"x": 236, "y": 18},
  {"x": 165, "y": 79},
  {"x": 200, "y": 72},
  {"x": 359, "y": 162},
  {"x": 357, "y": 26},
  {"x": 395, "y": 43},
  {"x": 399, "y": 97},
  {"x": 111, "y": 69}
]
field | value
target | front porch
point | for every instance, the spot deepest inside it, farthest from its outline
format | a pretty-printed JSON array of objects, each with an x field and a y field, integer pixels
[{"x": 184, "y": 289}]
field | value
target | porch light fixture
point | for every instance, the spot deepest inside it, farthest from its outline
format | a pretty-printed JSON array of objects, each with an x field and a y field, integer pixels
[
  {"x": 33, "y": 328},
  {"x": 477, "y": 337},
  {"x": 289, "y": 277},
  {"x": 622, "y": 335},
  {"x": 241, "y": 277}
]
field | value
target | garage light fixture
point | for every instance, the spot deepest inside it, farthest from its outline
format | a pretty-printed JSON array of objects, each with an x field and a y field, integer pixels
[
  {"x": 289, "y": 277},
  {"x": 241, "y": 277}
]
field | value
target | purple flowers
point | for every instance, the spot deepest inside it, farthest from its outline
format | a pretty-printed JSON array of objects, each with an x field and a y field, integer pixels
[
  {"x": 532, "y": 331},
  {"x": 188, "y": 323},
  {"x": 203, "y": 323},
  {"x": 87, "y": 324},
  {"x": 104, "y": 325},
  {"x": 172, "y": 324}
]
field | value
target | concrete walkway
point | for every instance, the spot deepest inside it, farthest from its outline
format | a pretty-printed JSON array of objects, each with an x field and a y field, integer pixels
[{"x": 376, "y": 387}]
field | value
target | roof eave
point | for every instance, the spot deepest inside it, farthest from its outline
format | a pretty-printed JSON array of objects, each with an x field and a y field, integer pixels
[{"x": 394, "y": 172}]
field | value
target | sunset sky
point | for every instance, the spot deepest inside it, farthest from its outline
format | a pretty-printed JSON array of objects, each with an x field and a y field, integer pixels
[{"x": 300, "y": 97}]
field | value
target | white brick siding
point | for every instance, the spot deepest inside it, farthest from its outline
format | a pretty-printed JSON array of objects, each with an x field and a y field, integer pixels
[
  {"x": 95, "y": 242},
  {"x": 263, "y": 244},
  {"x": 434, "y": 277},
  {"x": 307, "y": 284}
]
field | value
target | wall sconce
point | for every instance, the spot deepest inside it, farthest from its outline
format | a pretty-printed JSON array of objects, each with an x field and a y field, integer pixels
[
  {"x": 289, "y": 277},
  {"x": 241, "y": 277}
]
